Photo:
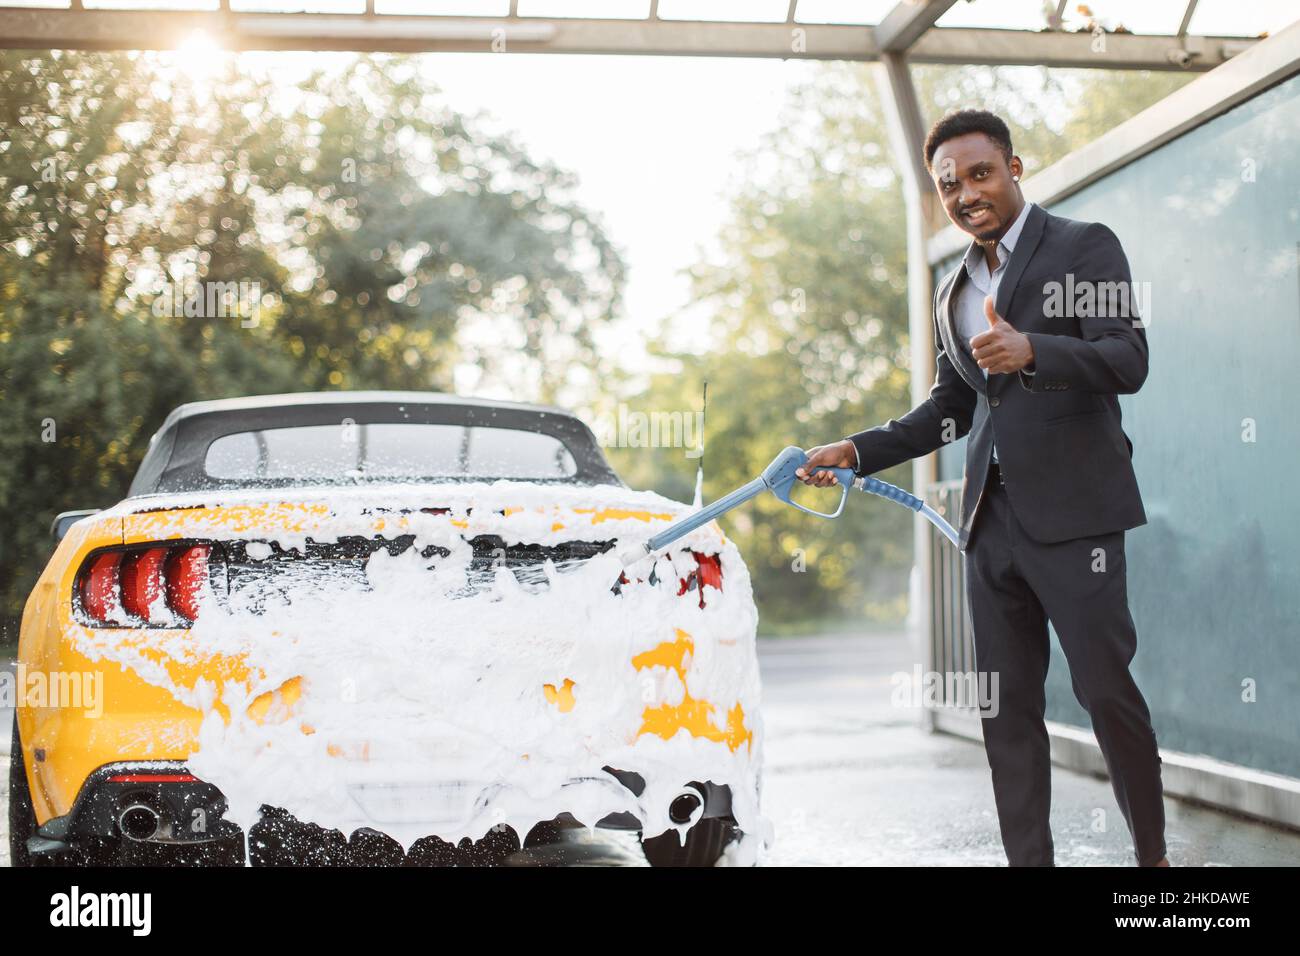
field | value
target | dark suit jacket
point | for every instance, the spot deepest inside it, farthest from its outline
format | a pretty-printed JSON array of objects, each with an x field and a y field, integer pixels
[{"x": 1065, "y": 459}]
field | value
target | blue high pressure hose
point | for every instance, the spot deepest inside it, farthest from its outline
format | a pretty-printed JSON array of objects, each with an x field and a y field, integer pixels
[{"x": 779, "y": 478}]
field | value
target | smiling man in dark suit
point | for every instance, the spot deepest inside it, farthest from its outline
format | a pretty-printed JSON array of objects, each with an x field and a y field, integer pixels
[{"x": 1037, "y": 333}]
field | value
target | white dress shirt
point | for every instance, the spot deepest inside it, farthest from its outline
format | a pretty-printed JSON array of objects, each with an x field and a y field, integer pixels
[{"x": 969, "y": 308}]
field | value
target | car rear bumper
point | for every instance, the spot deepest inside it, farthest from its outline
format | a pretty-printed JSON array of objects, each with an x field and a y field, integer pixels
[{"x": 188, "y": 819}]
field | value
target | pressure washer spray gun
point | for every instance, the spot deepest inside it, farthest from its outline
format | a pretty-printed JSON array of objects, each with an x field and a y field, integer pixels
[{"x": 779, "y": 478}]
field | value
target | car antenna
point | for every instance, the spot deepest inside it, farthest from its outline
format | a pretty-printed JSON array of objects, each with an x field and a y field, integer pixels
[{"x": 699, "y": 472}]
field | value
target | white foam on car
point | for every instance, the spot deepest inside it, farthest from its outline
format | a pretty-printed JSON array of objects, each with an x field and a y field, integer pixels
[{"x": 426, "y": 710}]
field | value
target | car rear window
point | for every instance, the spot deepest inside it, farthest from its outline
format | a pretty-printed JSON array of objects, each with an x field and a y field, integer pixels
[{"x": 387, "y": 451}]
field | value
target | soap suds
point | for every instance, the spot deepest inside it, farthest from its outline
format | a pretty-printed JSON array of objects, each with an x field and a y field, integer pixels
[{"x": 402, "y": 699}]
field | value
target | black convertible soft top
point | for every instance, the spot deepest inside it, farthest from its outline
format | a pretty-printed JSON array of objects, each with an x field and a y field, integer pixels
[{"x": 175, "y": 459}]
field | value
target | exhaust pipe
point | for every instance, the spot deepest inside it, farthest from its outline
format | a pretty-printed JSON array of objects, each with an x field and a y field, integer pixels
[
  {"x": 687, "y": 806},
  {"x": 138, "y": 822}
]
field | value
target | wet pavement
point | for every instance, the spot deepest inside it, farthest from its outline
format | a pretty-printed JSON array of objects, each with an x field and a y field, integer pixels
[{"x": 851, "y": 779}]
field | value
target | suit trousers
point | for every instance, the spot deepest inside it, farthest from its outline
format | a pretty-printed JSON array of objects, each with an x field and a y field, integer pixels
[{"x": 1014, "y": 586}]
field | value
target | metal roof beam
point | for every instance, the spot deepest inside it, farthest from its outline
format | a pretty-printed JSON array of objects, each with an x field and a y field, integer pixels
[
  {"x": 907, "y": 22},
  {"x": 1112, "y": 51},
  {"x": 42, "y": 29},
  {"x": 907, "y": 131}
]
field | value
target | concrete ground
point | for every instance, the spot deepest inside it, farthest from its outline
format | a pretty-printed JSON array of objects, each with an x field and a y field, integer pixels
[{"x": 851, "y": 779}]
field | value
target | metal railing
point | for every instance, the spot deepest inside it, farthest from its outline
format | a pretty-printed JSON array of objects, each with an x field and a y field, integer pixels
[{"x": 951, "y": 637}]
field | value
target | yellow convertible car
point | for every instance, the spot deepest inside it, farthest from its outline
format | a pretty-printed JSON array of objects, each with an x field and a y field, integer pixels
[{"x": 384, "y": 628}]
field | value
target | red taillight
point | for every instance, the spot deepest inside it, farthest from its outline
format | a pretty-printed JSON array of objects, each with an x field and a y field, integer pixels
[
  {"x": 142, "y": 585},
  {"x": 708, "y": 571},
  {"x": 156, "y": 585},
  {"x": 153, "y": 778},
  {"x": 99, "y": 593},
  {"x": 187, "y": 572}
]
